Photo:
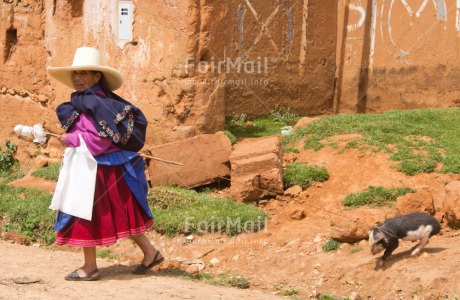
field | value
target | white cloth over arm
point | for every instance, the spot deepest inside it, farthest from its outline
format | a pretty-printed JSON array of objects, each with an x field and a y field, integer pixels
[{"x": 74, "y": 193}]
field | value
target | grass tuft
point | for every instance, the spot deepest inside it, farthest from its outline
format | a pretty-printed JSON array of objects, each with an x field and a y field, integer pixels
[
  {"x": 376, "y": 196},
  {"x": 230, "y": 136},
  {"x": 331, "y": 245},
  {"x": 50, "y": 172},
  {"x": 304, "y": 176},
  {"x": 290, "y": 292},
  {"x": 268, "y": 125},
  {"x": 222, "y": 279}
]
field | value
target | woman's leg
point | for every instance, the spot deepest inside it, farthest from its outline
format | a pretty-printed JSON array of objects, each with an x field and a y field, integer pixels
[
  {"x": 90, "y": 259},
  {"x": 88, "y": 268},
  {"x": 147, "y": 248},
  {"x": 90, "y": 262}
]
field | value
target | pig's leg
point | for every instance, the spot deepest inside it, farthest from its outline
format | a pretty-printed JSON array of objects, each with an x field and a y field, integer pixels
[
  {"x": 423, "y": 242},
  {"x": 393, "y": 244}
]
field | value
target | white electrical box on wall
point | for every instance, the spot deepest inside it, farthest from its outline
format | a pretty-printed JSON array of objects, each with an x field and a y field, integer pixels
[{"x": 125, "y": 15}]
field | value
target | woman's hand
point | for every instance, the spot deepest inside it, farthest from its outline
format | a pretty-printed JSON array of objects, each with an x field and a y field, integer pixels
[{"x": 61, "y": 137}]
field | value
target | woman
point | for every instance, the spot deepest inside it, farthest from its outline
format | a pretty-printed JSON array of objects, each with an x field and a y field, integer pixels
[{"x": 109, "y": 125}]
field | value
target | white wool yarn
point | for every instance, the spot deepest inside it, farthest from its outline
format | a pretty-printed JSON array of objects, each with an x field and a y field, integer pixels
[
  {"x": 18, "y": 129},
  {"x": 23, "y": 130},
  {"x": 39, "y": 134},
  {"x": 36, "y": 132}
]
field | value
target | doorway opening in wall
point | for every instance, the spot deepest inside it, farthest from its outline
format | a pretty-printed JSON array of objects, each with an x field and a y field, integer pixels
[
  {"x": 76, "y": 8},
  {"x": 10, "y": 43}
]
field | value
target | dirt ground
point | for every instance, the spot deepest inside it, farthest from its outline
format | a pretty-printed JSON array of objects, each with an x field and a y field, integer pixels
[{"x": 286, "y": 258}]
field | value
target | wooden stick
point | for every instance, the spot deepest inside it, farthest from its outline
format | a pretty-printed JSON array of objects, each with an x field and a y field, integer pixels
[
  {"x": 163, "y": 160},
  {"x": 49, "y": 133},
  {"x": 143, "y": 155}
]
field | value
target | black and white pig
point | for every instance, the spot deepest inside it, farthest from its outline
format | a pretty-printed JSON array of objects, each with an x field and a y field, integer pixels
[{"x": 410, "y": 227}]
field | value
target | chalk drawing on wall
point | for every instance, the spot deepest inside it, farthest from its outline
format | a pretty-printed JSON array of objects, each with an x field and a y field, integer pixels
[
  {"x": 355, "y": 32},
  {"x": 386, "y": 27},
  {"x": 240, "y": 13},
  {"x": 303, "y": 41},
  {"x": 350, "y": 57},
  {"x": 372, "y": 33},
  {"x": 362, "y": 17},
  {"x": 264, "y": 31},
  {"x": 457, "y": 20}
]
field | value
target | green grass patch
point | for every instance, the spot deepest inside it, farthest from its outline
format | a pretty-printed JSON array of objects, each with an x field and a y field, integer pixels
[
  {"x": 225, "y": 279},
  {"x": 291, "y": 150},
  {"x": 376, "y": 196},
  {"x": 331, "y": 245},
  {"x": 290, "y": 292},
  {"x": 355, "y": 249},
  {"x": 179, "y": 211},
  {"x": 106, "y": 253},
  {"x": 330, "y": 297},
  {"x": 303, "y": 175},
  {"x": 28, "y": 213},
  {"x": 50, "y": 172},
  {"x": 7, "y": 160},
  {"x": 11, "y": 175},
  {"x": 264, "y": 126},
  {"x": 230, "y": 136},
  {"x": 222, "y": 279},
  {"x": 270, "y": 124},
  {"x": 417, "y": 139}
]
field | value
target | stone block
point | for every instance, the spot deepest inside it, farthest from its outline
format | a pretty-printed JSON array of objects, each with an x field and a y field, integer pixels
[
  {"x": 204, "y": 157},
  {"x": 452, "y": 204},
  {"x": 256, "y": 169}
]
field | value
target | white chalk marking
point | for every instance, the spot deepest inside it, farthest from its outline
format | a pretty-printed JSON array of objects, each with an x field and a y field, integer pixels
[
  {"x": 422, "y": 7},
  {"x": 457, "y": 22},
  {"x": 303, "y": 41},
  {"x": 263, "y": 29},
  {"x": 361, "y": 20},
  {"x": 389, "y": 23},
  {"x": 409, "y": 9},
  {"x": 372, "y": 37}
]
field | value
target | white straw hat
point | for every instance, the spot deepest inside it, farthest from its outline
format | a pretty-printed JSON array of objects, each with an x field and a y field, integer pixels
[{"x": 87, "y": 58}]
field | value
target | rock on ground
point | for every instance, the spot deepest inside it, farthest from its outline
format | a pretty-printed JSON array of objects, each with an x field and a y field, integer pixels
[{"x": 452, "y": 204}]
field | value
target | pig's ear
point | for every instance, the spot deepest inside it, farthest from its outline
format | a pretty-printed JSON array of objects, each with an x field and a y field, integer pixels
[{"x": 378, "y": 237}]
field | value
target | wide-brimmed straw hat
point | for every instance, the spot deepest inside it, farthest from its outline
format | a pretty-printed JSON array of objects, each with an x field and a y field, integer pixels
[{"x": 87, "y": 58}]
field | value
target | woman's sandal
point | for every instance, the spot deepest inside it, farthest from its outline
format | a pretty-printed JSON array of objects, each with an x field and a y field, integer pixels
[
  {"x": 88, "y": 277},
  {"x": 142, "y": 269}
]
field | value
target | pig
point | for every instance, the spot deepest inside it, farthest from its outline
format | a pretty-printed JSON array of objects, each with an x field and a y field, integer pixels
[{"x": 410, "y": 227}]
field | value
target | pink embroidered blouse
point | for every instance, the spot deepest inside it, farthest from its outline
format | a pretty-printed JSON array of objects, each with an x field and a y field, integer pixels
[{"x": 85, "y": 127}]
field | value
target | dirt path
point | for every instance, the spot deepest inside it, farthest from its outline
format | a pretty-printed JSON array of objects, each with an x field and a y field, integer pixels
[{"x": 28, "y": 272}]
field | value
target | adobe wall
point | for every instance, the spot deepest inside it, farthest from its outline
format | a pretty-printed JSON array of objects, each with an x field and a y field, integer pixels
[
  {"x": 287, "y": 52},
  {"x": 404, "y": 52},
  {"x": 287, "y": 46}
]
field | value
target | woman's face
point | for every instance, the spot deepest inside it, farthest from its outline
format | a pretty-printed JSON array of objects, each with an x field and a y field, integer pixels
[{"x": 83, "y": 80}]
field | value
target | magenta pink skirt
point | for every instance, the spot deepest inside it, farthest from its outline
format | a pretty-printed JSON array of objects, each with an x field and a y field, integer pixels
[{"x": 116, "y": 214}]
